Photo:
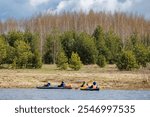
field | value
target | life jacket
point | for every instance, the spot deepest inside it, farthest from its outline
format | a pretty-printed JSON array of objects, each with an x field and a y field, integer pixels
[{"x": 94, "y": 86}]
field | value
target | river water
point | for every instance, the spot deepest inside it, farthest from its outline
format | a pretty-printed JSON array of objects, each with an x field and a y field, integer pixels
[{"x": 65, "y": 94}]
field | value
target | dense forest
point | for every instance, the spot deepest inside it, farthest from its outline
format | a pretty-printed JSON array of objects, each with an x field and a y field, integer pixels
[{"x": 76, "y": 38}]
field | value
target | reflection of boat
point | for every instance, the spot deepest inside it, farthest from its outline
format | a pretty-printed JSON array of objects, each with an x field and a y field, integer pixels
[
  {"x": 89, "y": 89},
  {"x": 54, "y": 87}
]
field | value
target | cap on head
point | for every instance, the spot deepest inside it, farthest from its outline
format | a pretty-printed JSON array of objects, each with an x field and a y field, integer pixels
[{"x": 94, "y": 83}]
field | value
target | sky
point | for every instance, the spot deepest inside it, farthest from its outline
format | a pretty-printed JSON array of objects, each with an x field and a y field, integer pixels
[{"x": 19, "y": 9}]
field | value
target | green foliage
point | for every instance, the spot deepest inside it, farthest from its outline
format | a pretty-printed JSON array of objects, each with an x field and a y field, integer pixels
[
  {"x": 21, "y": 50},
  {"x": 36, "y": 60},
  {"x": 99, "y": 37},
  {"x": 101, "y": 61},
  {"x": 62, "y": 61},
  {"x": 75, "y": 62},
  {"x": 108, "y": 44},
  {"x": 86, "y": 48},
  {"x": 52, "y": 48},
  {"x": 13, "y": 36},
  {"x": 33, "y": 41},
  {"x": 23, "y": 54},
  {"x": 48, "y": 57},
  {"x": 126, "y": 61},
  {"x": 113, "y": 43},
  {"x": 11, "y": 52},
  {"x": 141, "y": 54},
  {"x": 148, "y": 56},
  {"x": 134, "y": 39},
  {"x": 132, "y": 42},
  {"x": 68, "y": 40},
  {"x": 3, "y": 50}
]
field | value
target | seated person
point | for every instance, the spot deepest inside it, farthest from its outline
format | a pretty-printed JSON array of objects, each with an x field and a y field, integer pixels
[
  {"x": 62, "y": 84},
  {"x": 47, "y": 85},
  {"x": 84, "y": 84},
  {"x": 94, "y": 85}
]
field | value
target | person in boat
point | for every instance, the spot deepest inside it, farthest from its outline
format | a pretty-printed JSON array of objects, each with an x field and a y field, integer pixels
[
  {"x": 84, "y": 84},
  {"x": 62, "y": 84},
  {"x": 48, "y": 84},
  {"x": 94, "y": 86}
]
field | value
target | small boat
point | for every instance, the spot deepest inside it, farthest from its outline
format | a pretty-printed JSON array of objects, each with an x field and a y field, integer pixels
[
  {"x": 54, "y": 87},
  {"x": 89, "y": 89}
]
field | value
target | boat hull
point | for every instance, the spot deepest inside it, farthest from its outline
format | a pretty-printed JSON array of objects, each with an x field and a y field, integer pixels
[
  {"x": 43, "y": 87},
  {"x": 89, "y": 89}
]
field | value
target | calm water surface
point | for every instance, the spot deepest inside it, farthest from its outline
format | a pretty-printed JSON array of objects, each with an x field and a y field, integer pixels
[{"x": 58, "y": 94}]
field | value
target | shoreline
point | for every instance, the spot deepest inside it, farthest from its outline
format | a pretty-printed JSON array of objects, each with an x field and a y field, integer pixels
[{"x": 108, "y": 78}]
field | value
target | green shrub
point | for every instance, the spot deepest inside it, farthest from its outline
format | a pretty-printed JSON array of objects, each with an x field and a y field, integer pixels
[
  {"x": 86, "y": 49},
  {"x": 101, "y": 61},
  {"x": 62, "y": 61},
  {"x": 75, "y": 62},
  {"x": 3, "y": 50},
  {"x": 148, "y": 56},
  {"x": 126, "y": 61},
  {"x": 141, "y": 54},
  {"x": 36, "y": 60}
]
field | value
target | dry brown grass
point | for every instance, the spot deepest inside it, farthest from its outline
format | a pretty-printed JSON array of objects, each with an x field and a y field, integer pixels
[{"x": 107, "y": 78}]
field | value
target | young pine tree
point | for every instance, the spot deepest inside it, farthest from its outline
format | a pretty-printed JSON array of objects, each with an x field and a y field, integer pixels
[
  {"x": 141, "y": 54},
  {"x": 101, "y": 61},
  {"x": 75, "y": 62},
  {"x": 62, "y": 61},
  {"x": 126, "y": 61}
]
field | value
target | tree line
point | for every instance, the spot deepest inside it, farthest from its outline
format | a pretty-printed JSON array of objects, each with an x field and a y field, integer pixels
[
  {"x": 77, "y": 38},
  {"x": 100, "y": 48},
  {"x": 72, "y": 49},
  {"x": 20, "y": 50}
]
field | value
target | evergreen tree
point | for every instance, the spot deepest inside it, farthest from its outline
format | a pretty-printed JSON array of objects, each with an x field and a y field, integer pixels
[
  {"x": 23, "y": 54},
  {"x": 36, "y": 60},
  {"x": 86, "y": 48},
  {"x": 33, "y": 40},
  {"x": 134, "y": 39},
  {"x": 141, "y": 54},
  {"x": 11, "y": 53},
  {"x": 99, "y": 37},
  {"x": 113, "y": 43},
  {"x": 101, "y": 61},
  {"x": 13, "y": 36},
  {"x": 126, "y": 61},
  {"x": 75, "y": 62},
  {"x": 68, "y": 40},
  {"x": 3, "y": 50},
  {"x": 48, "y": 57},
  {"x": 62, "y": 61}
]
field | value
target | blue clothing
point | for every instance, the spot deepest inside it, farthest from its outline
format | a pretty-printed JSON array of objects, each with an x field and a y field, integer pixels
[
  {"x": 48, "y": 85},
  {"x": 62, "y": 85}
]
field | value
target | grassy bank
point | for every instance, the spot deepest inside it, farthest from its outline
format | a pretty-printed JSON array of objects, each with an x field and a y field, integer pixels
[{"x": 107, "y": 78}]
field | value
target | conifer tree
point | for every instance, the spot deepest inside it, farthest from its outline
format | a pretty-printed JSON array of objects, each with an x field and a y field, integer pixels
[
  {"x": 62, "y": 61},
  {"x": 126, "y": 61},
  {"x": 101, "y": 61},
  {"x": 75, "y": 62},
  {"x": 3, "y": 50}
]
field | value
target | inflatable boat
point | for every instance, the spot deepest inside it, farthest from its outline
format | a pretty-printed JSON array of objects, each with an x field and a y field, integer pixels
[
  {"x": 54, "y": 87},
  {"x": 89, "y": 89}
]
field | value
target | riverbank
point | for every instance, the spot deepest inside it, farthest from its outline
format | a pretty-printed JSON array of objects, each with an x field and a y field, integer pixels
[{"x": 107, "y": 78}]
